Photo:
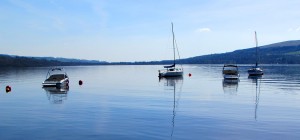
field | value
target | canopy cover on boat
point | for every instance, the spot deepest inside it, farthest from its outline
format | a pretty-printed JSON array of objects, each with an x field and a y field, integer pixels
[
  {"x": 170, "y": 66},
  {"x": 53, "y": 69}
]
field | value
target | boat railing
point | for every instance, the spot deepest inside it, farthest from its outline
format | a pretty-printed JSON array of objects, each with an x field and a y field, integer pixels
[{"x": 51, "y": 71}]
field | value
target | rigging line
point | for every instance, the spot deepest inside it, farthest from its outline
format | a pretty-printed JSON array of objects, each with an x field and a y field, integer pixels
[
  {"x": 177, "y": 51},
  {"x": 257, "y": 55},
  {"x": 175, "y": 45},
  {"x": 173, "y": 42}
]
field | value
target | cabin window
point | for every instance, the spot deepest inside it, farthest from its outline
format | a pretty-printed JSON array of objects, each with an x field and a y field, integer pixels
[{"x": 230, "y": 68}]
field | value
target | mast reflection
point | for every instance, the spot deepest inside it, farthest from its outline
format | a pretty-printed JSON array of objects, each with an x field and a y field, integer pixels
[
  {"x": 256, "y": 80},
  {"x": 172, "y": 82},
  {"x": 56, "y": 95}
]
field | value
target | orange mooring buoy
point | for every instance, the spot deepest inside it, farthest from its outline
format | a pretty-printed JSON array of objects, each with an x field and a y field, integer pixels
[
  {"x": 80, "y": 82},
  {"x": 190, "y": 74},
  {"x": 8, "y": 89}
]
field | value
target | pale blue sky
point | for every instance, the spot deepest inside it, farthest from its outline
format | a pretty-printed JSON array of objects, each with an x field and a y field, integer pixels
[{"x": 140, "y": 30}]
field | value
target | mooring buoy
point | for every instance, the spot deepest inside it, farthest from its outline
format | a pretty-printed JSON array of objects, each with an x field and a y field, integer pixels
[{"x": 8, "y": 89}]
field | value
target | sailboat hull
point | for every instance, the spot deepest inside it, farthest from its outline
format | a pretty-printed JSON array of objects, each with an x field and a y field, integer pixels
[
  {"x": 167, "y": 73},
  {"x": 255, "y": 72}
]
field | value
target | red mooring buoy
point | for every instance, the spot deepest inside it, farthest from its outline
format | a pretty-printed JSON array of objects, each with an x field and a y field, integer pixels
[
  {"x": 8, "y": 89},
  {"x": 80, "y": 82},
  {"x": 190, "y": 74}
]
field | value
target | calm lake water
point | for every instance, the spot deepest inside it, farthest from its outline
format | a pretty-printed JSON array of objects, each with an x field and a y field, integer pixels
[{"x": 131, "y": 102}]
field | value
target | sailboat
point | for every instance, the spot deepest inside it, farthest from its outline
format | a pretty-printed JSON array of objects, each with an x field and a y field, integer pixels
[
  {"x": 256, "y": 71},
  {"x": 172, "y": 70},
  {"x": 56, "y": 77}
]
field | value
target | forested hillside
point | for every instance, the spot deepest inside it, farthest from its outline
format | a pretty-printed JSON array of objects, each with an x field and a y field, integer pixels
[
  {"x": 20, "y": 61},
  {"x": 280, "y": 53}
]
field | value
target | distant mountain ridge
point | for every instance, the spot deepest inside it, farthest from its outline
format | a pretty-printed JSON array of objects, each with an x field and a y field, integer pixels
[
  {"x": 70, "y": 60},
  {"x": 24, "y": 61},
  {"x": 283, "y": 44},
  {"x": 287, "y": 52}
]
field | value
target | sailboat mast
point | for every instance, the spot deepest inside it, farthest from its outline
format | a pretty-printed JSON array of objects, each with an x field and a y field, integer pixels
[
  {"x": 173, "y": 42},
  {"x": 256, "y": 49}
]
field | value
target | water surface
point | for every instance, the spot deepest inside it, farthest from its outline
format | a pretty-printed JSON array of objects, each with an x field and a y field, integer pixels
[{"x": 131, "y": 102}]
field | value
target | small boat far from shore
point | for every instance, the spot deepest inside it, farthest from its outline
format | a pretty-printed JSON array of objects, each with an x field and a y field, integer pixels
[
  {"x": 172, "y": 70},
  {"x": 256, "y": 70},
  {"x": 56, "y": 77},
  {"x": 230, "y": 71}
]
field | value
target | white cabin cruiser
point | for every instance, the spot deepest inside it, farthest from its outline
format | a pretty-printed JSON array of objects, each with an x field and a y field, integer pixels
[
  {"x": 56, "y": 77},
  {"x": 230, "y": 71}
]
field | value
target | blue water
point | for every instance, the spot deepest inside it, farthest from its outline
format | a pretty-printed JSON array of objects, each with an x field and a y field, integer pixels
[{"x": 130, "y": 102}]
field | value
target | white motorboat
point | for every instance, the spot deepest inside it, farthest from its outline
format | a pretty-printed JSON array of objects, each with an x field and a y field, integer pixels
[
  {"x": 230, "y": 71},
  {"x": 256, "y": 70},
  {"x": 56, "y": 77},
  {"x": 172, "y": 70}
]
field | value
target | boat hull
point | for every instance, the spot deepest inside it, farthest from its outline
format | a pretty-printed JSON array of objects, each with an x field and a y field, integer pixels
[
  {"x": 58, "y": 84},
  {"x": 230, "y": 76},
  {"x": 170, "y": 74},
  {"x": 255, "y": 72}
]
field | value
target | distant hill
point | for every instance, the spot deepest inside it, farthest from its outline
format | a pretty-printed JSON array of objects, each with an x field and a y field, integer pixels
[
  {"x": 22, "y": 61},
  {"x": 71, "y": 60},
  {"x": 287, "y": 52},
  {"x": 283, "y": 44}
]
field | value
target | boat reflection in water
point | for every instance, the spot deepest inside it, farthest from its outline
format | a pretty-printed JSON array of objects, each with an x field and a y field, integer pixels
[
  {"x": 256, "y": 80},
  {"x": 56, "y": 95},
  {"x": 171, "y": 83},
  {"x": 230, "y": 86}
]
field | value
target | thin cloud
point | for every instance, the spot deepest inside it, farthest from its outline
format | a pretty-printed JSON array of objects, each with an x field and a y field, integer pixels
[
  {"x": 298, "y": 29},
  {"x": 200, "y": 30},
  {"x": 24, "y": 5},
  {"x": 290, "y": 29},
  {"x": 294, "y": 29}
]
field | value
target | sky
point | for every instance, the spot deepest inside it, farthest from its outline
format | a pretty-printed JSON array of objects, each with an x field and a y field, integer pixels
[{"x": 140, "y": 30}]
